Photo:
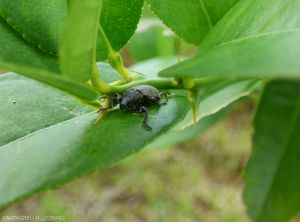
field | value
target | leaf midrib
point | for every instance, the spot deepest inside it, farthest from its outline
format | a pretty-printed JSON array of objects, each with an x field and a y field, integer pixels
[
  {"x": 286, "y": 143},
  {"x": 207, "y": 16}
]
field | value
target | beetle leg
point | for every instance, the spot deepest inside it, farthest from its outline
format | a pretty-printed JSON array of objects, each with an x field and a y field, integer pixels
[
  {"x": 144, "y": 110},
  {"x": 111, "y": 104}
]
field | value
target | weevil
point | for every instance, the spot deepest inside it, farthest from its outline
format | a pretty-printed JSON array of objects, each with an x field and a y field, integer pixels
[{"x": 136, "y": 100}]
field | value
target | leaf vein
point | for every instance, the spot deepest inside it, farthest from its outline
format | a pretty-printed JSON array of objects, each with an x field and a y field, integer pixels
[
  {"x": 258, "y": 36},
  {"x": 207, "y": 16}
]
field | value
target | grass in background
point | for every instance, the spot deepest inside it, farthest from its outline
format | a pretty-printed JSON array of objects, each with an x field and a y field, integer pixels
[{"x": 200, "y": 180}]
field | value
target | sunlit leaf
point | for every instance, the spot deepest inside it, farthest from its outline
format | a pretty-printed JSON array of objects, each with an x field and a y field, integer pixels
[
  {"x": 37, "y": 22},
  {"x": 118, "y": 19},
  {"x": 192, "y": 20},
  {"x": 256, "y": 38},
  {"x": 269, "y": 55}
]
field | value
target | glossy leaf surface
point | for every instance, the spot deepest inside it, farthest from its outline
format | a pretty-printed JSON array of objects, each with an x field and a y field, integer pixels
[
  {"x": 192, "y": 20},
  {"x": 254, "y": 17},
  {"x": 269, "y": 55},
  {"x": 50, "y": 106},
  {"x": 14, "y": 49},
  {"x": 118, "y": 19},
  {"x": 249, "y": 40},
  {"x": 37, "y": 22},
  {"x": 25, "y": 111},
  {"x": 30, "y": 31}
]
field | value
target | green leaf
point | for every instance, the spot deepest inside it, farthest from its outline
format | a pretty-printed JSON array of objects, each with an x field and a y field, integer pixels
[
  {"x": 272, "y": 175},
  {"x": 151, "y": 35},
  {"x": 55, "y": 80},
  {"x": 267, "y": 55},
  {"x": 214, "y": 97},
  {"x": 37, "y": 22},
  {"x": 248, "y": 34},
  {"x": 176, "y": 136},
  {"x": 14, "y": 49},
  {"x": 28, "y": 106},
  {"x": 151, "y": 67},
  {"x": 118, "y": 19},
  {"x": 65, "y": 151},
  {"x": 18, "y": 55},
  {"x": 82, "y": 147},
  {"x": 108, "y": 74},
  {"x": 217, "y": 9},
  {"x": 254, "y": 17},
  {"x": 23, "y": 97},
  {"x": 192, "y": 20},
  {"x": 78, "y": 50}
]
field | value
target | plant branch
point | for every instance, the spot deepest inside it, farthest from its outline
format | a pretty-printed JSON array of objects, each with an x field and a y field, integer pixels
[
  {"x": 98, "y": 83},
  {"x": 160, "y": 83}
]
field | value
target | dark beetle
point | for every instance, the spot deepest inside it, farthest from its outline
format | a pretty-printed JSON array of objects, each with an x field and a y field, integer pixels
[{"x": 137, "y": 99}]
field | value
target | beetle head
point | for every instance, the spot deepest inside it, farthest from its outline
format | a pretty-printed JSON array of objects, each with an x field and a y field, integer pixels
[{"x": 116, "y": 98}]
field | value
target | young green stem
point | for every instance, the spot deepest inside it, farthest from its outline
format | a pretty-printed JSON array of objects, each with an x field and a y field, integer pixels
[
  {"x": 194, "y": 100},
  {"x": 188, "y": 83},
  {"x": 98, "y": 83},
  {"x": 157, "y": 82},
  {"x": 115, "y": 59}
]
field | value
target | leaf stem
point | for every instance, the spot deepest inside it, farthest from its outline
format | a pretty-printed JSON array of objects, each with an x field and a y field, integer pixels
[
  {"x": 194, "y": 100},
  {"x": 98, "y": 83},
  {"x": 188, "y": 83},
  {"x": 160, "y": 83},
  {"x": 106, "y": 41},
  {"x": 115, "y": 59},
  {"x": 94, "y": 104}
]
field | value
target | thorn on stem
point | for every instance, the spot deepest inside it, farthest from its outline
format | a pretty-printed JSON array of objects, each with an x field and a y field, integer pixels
[{"x": 194, "y": 97}]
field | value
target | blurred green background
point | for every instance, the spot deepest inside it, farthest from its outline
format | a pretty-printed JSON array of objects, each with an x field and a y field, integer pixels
[{"x": 199, "y": 180}]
